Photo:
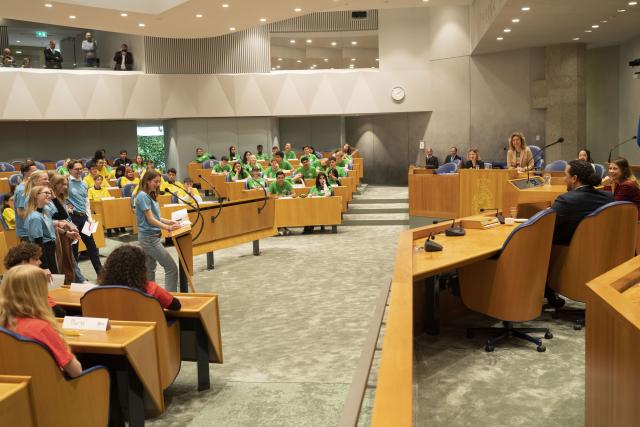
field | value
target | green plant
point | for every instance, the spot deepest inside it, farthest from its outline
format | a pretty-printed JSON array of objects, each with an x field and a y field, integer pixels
[{"x": 152, "y": 148}]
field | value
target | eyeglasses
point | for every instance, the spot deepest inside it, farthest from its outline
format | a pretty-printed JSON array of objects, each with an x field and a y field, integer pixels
[{"x": 48, "y": 193}]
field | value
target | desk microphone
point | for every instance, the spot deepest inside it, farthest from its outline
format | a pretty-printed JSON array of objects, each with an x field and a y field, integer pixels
[
  {"x": 216, "y": 194},
  {"x": 499, "y": 215},
  {"x": 455, "y": 230},
  {"x": 540, "y": 153},
  {"x": 430, "y": 245},
  {"x": 618, "y": 145}
]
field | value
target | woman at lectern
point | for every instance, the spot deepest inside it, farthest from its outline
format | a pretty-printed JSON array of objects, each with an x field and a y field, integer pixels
[
  {"x": 519, "y": 156},
  {"x": 473, "y": 161},
  {"x": 150, "y": 226}
]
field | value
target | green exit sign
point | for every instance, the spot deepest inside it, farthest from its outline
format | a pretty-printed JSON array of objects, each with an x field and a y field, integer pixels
[{"x": 42, "y": 34}]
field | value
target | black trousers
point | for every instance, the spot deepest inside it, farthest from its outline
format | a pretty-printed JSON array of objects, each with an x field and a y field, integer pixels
[
  {"x": 48, "y": 257},
  {"x": 88, "y": 241}
]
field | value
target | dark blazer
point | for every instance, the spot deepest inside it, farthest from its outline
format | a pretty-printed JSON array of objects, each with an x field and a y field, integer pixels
[
  {"x": 469, "y": 165},
  {"x": 119, "y": 162},
  {"x": 450, "y": 158},
  {"x": 571, "y": 207},
  {"x": 432, "y": 162},
  {"x": 52, "y": 58},
  {"x": 128, "y": 61}
]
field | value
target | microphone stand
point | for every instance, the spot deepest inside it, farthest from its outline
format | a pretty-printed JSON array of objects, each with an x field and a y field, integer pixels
[
  {"x": 266, "y": 195},
  {"x": 542, "y": 150},
  {"x": 499, "y": 216},
  {"x": 197, "y": 208},
  {"x": 618, "y": 145}
]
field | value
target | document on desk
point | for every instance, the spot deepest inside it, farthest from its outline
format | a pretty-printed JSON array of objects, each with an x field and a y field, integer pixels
[{"x": 181, "y": 217}]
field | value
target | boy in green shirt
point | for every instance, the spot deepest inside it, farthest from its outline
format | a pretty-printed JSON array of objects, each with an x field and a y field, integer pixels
[
  {"x": 333, "y": 164},
  {"x": 256, "y": 181},
  {"x": 222, "y": 167},
  {"x": 308, "y": 152},
  {"x": 260, "y": 155},
  {"x": 282, "y": 163},
  {"x": 280, "y": 186},
  {"x": 305, "y": 171},
  {"x": 272, "y": 170},
  {"x": 201, "y": 156},
  {"x": 341, "y": 161},
  {"x": 288, "y": 152}
]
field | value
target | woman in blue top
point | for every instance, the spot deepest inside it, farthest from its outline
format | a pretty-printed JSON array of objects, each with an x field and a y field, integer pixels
[
  {"x": 150, "y": 225},
  {"x": 40, "y": 227}
]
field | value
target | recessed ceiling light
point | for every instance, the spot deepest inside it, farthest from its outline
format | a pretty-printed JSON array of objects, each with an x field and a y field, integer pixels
[
  {"x": 299, "y": 61},
  {"x": 48, "y": 5},
  {"x": 18, "y": 52},
  {"x": 515, "y": 20},
  {"x": 292, "y": 41},
  {"x": 141, "y": 25},
  {"x": 377, "y": 59},
  {"x": 326, "y": 59},
  {"x": 309, "y": 41},
  {"x": 18, "y": 41},
  {"x": 575, "y": 39},
  {"x": 507, "y": 30},
  {"x": 124, "y": 15},
  {"x": 604, "y": 21},
  {"x": 425, "y": 1},
  {"x": 622, "y": 10},
  {"x": 279, "y": 59},
  {"x": 588, "y": 31},
  {"x": 297, "y": 9},
  {"x": 333, "y": 43},
  {"x": 499, "y": 38},
  {"x": 595, "y": 26},
  {"x": 263, "y": 19},
  {"x": 353, "y": 59},
  {"x": 232, "y": 28},
  {"x": 72, "y": 16},
  {"x": 314, "y": 65},
  {"x": 633, "y": 3},
  {"x": 199, "y": 15},
  {"x": 273, "y": 69},
  {"x": 525, "y": 9},
  {"x": 354, "y": 43},
  {"x": 225, "y": 5},
  {"x": 278, "y": 67}
]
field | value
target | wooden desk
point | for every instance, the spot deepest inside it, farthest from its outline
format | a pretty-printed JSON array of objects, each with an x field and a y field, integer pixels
[
  {"x": 612, "y": 382},
  {"x": 116, "y": 213},
  {"x": 216, "y": 181},
  {"x": 115, "y": 191},
  {"x": 192, "y": 171},
  {"x": 15, "y": 401},
  {"x": 8, "y": 174},
  {"x": 129, "y": 343},
  {"x": 358, "y": 165},
  {"x": 200, "y": 336},
  {"x": 529, "y": 200},
  {"x": 98, "y": 236},
  {"x": 4, "y": 186},
  {"x": 4, "y": 248},
  {"x": 299, "y": 212}
]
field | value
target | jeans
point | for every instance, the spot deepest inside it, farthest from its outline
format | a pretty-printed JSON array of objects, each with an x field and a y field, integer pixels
[
  {"x": 88, "y": 241},
  {"x": 155, "y": 252}
]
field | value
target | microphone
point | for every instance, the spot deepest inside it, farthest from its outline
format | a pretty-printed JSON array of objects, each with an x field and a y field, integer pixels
[
  {"x": 618, "y": 145},
  {"x": 217, "y": 195},
  {"x": 542, "y": 150},
  {"x": 499, "y": 215},
  {"x": 266, "y": 196},
  {"x": 455, "y": 230},
  {"x": 430, "y": 245},
  {"x": 197, "y": 208}
]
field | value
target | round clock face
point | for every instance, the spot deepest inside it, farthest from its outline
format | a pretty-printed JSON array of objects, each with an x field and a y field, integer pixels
[{"x": 397, "y": 93}]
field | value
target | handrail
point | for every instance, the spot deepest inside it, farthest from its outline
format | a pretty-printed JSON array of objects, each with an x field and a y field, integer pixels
[{"x": 353, "y": 403}]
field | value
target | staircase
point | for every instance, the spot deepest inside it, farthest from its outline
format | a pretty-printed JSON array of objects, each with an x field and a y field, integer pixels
[{"x": 378, "y": 206}]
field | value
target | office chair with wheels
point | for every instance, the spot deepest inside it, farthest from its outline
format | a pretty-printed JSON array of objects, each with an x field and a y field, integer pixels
[{"x": 509, "y": 286}]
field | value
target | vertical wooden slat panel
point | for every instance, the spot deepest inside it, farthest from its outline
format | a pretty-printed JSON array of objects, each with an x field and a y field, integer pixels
[{"x": 4, "y": 37}]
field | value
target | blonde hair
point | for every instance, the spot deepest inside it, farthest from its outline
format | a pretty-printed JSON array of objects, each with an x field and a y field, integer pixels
[
  {"x": 32, "y": 202},
  {"x": 35, "y": 176},
  {"x": 522, "y": 138},
  {"x": 54, "y": 182},
  {"x": 474, "y": 150},
  {"x": 23, "y": 293}
]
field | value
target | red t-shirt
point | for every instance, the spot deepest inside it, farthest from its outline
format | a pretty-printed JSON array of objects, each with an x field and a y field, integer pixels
[
  {"x": 41, "y": 331},
  {"x": 159, "y": 293}
]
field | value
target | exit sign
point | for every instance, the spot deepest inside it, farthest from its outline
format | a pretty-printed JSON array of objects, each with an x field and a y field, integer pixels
[{"x": 42, "y": 34}]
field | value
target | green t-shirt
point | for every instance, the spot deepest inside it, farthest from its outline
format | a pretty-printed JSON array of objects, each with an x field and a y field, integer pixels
[
  {"x": 312, "y": 157},
  {"x": 234, "y": 158},
  {"x": 255, "y": 183},
  {"x": 341, "y": 171},
  {"x": 285, "y": 165},
  {"x": 263, "y": 156},
  {"x": 248, "y": 167},
  {"x": 218, "y": 168},
  {"x": 288, "y": 155},
  {"x": 270, "y": 173},
  {"x": 343, "y": 164},
  {"x": 332, "y": 181},
  {"x": 62, "y": 171},
  {"x": 321, "y": 193},
  {"x": 307, "y": 173},
  {"x": 200, "y": 159},
  {"x": 285, "y": 190},
  {"x": 240, "y": 175}
]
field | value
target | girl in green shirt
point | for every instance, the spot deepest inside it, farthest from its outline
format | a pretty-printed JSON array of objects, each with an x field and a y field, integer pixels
[
  {"x": 252, "y": 163},
  {"x": 238, "y": 173},
  {"x": 322, "y": 188},
  {"x": 334, "y": 177},
  {"x": 233, "y": 154},
  {"x": 138, "y": 165}
]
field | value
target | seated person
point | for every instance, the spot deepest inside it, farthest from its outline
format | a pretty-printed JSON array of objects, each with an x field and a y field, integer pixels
[
  {"x": 282, "y": 162},
  {"x": 238, "y": 173},
  {"x": 202, "y": 156},
  {"x": 126, "y": 266},
  {"x": 333, "y": 177},
  {"x": 321, "y": 165},
  {"x": 98, "y": 192},
  {"x": 260, "y": 155},
  {"x": 308, "y": 152},
  {"x": 64, "y": 169},
  {"x": 30, "y": 253},
  {"x": 245, "y": 157},
  {"x": 8, "y": 214},
  {"x": 129, "y": 178},
  {"x": 622, "y": 183},
  {"x": 188, "y": 186},
  {"x": 117, "y": 172},
  {"x": 103, "y": 168},
  {"x": 123, "y": 160},
  {"x": 431, "y": 161},
  {"x": 322, "y": 187},
  {"x": 341, "y": 161},
  {"x": 318, "y": 154},
  {"x": 171, "y": 184},
  {"x": 281, "y": 187},
  {"x": 305, "y": 171},
  {"x": 347, "y": 151},
  {"x": 333, "y": 164},
  {"x": 453, "y": 156},
  {"x": 271, "y": 171},
  {"x": 233, "y": 154},
  {"x": 24, "y": 310},
  {"x": 89, "y": 180},
  {"x": 585, "y": 155},
  {"x": 519, "y": 156},
  {"x": 256, "y": 181},
  {"x": 474, "y": 161},
  {"x": 274, "y": 150},
  {"x": 138, "y": 165},
  {"x": 252, "y": 162},
  {"x": 222, "y": 167},
  {"x": 288, "y": 152},
  {"x": 580, "y": 200}
]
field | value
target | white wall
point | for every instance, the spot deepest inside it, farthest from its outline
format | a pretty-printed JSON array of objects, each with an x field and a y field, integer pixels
[{"x": 629, "y": 100}]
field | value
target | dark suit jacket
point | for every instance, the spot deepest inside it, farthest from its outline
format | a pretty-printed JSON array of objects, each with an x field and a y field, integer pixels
[
  {"x": 119, "y": 162},
  {"x": 469, "y": 165},
  {"x": 53, "y": 58},
  {"x": 128, "y": 60},
  {"x": 572, "y": 207},
  {"x": 450, "y": 159},
  {"x": 432, "y": 162}
]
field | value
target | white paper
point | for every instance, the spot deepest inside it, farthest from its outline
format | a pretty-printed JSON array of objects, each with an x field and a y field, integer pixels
[
  {"x": 89, "y": 228},
  {"x": 81, "y": 287},
  {"x": 179, "y": 215},
  {"x": 57, "y": 280},
  {"x": 108, "y": 198},
  {"x": 85, "y": 323}
]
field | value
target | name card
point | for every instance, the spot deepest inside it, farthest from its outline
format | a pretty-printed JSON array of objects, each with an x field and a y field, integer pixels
[
  {"x": 85, "y": 323},
  {"x": 81, "y": 287}
]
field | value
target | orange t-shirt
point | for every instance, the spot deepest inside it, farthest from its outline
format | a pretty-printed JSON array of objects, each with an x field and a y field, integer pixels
[{"x": 41, "y": 331}]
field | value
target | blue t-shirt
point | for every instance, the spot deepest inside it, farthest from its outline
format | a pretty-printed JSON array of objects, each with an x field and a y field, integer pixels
[
  {"x": 144, "y": 202},
  {"x": 20, "y": 201},
  {"x": 40, "y": 225},
  {"x": 77, "y": 195}
]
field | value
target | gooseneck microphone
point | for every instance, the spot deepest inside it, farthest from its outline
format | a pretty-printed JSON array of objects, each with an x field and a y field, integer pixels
[
  {"x": 199, "y": 216},
  {"x": 430, "y": 245},
  {"x": 499, "y": 215},
  {"x": 217, "y": 195},
  {"x": 542, "y": 150},
  {"x": 455, "y": 230},
  {"x": 618, "y": 145}
]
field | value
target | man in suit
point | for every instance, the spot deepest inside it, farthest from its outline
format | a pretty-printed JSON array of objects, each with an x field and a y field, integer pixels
[
  {"x": 123, "y": 59},
  {"x": 571, "y": 207},
  {"x": 453, "y": 156},
  {"x": 52, "y": 57},
  {"x": 431, "y": 160}
]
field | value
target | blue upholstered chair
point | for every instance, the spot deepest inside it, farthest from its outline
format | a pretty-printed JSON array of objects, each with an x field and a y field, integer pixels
[
  {"x": 209, "y": 164},
  {"x": 447, "y": 168},
  {"x": 39, "y": 165},
  {"x": 59, "y": 164},
  {"x": 15, "y": 179},
  {"x": 6, "y": 167},
  {"x": 557, "y": 166},
  {"x": 601, "y": 171},
  {"x": 127, "y": 190},
  {"x": 539, "y": 161}
]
